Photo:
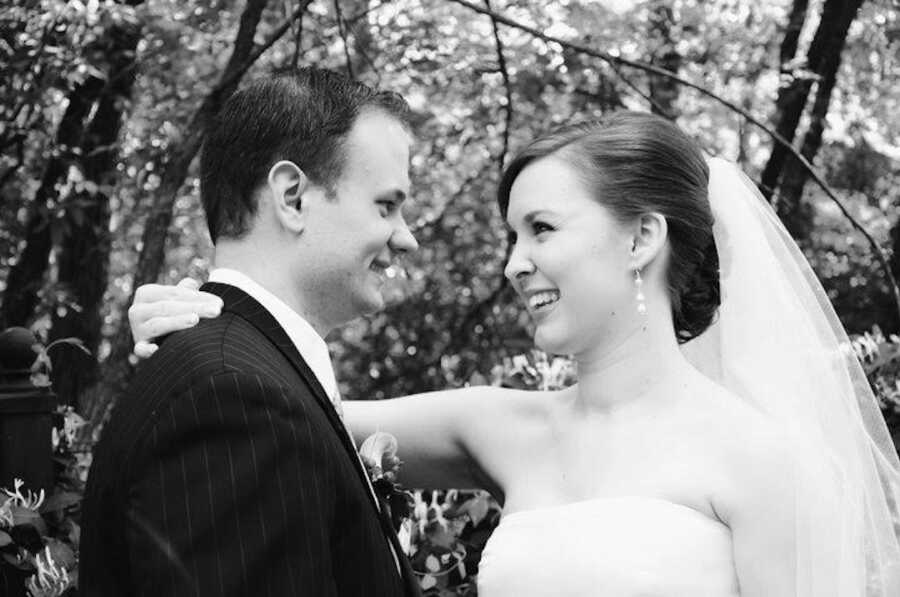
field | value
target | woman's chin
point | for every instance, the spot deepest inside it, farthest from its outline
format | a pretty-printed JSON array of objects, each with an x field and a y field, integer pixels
[{"x": 549, "y": 342}]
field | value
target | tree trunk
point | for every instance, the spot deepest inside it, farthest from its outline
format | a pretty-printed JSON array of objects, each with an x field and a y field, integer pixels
[
  {"x": 84, "y": 254},
  {"x": 792, "y": 97},
  {"x": 26, "y": 277},
  {"x": 797, "y": 214},
  {"x": 118, "y": 367},
  {"x": 663, "y": 90},
  {"x": 792, "y": 35}
]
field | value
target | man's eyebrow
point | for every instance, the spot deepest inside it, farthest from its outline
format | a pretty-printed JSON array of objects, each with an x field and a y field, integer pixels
[{"x": 394, "y": 194}]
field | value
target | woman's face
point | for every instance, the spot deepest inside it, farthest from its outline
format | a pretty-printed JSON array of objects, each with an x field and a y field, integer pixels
[{"x": 571, "y": 259}]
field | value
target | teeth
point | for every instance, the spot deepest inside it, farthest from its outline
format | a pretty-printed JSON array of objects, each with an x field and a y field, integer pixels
[{"x": 543, "y": 299}]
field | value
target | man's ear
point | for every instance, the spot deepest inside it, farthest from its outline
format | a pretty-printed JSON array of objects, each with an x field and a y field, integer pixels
[
  {"x": 287, "y": 184},
  {"x": 651, "y": 232}
]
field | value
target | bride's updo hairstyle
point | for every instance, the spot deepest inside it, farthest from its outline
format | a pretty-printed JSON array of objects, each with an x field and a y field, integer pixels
[{"x": 638, "y": 163}]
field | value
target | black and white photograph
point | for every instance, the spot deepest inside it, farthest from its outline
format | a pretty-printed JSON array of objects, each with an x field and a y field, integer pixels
[{"x": 450, "y": 298}]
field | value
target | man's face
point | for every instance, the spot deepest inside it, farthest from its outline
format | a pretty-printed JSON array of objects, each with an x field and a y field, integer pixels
[{"x": 356, "y": 234}]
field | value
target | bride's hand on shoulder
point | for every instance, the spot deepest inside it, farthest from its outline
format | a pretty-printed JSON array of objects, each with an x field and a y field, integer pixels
[{"x": 159, "y": 309}]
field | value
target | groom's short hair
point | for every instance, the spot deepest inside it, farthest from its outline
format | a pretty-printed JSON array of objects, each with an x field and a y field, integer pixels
[{"x": 303, "y": 116}]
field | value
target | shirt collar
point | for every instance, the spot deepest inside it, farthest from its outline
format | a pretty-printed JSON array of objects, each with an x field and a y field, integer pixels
[{"x": 308, "y": 342}]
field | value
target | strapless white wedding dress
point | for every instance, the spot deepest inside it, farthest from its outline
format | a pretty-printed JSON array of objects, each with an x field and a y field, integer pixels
[{"x": 609, "y": 547}]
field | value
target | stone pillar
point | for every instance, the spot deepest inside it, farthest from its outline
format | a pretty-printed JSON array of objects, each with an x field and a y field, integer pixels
[{"x": 26, "y": 415}]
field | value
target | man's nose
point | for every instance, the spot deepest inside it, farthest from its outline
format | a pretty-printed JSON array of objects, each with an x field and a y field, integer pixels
[{"x": 402, "y": 240}]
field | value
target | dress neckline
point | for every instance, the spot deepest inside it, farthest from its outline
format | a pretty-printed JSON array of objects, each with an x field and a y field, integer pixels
[{"x": 618, "y": 498}]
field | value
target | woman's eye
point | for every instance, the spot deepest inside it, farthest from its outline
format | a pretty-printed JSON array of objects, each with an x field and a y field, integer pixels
[
  {"x": 387, "y": 207},
  {"x": 539, "y": 227}
]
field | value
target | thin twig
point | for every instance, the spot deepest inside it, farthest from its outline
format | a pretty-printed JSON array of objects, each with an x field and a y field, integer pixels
[
  {"x": 634, "y": 87},
  {"x": 777, "y": 138},
  {"x": 259, "y": 50},
  {"x": 363, "y": 13},
  {"x": 343, "y": 33},
  {"x": 351, "y": 23},
  {"x": 298, "y": 42},
  {"x": 370, "y": 62},
  {"x": 504, "y": 72},
  {"x": 594, "y": 95}
]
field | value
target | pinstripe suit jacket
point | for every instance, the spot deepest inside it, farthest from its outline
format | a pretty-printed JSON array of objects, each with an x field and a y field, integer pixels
[{"x": 225, "y": 471}]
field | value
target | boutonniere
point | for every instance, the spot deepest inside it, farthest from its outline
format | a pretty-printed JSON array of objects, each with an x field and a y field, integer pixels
[{"x": 379, "y": 455}]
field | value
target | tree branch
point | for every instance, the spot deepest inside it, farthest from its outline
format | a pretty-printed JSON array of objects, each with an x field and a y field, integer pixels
[
  {"x": 788, "y": 49},
  {"x": 239, "y": 71},
  {"x": 777, "y": 138},
  {"x": 298, "y": 41},
  {"x": 363, "y": 13},
  {"x": 600, "y": 95},
  {"x": 616, "y": 61},
  {"x": 343, "y": 33},
  {"x": 634, "y": 87},
  {"x": 504, "y": 72}
]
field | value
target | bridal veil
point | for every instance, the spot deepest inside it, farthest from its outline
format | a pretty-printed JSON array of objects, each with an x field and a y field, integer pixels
[{"x": 778, "y": 344}]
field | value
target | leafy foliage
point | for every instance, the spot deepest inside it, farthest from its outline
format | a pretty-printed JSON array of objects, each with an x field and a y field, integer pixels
[
  {"x": 39, "y": 537},
  {"x": 880, "y": 357}
]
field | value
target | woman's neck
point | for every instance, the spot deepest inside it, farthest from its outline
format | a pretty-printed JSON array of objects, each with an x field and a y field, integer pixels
[{"x": 618, "y": 376}]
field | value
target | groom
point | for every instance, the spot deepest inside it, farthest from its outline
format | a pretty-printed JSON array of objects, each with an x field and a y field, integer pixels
[{"x": 226, "y": 469}]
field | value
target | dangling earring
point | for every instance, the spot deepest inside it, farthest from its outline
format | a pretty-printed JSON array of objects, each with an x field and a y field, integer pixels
[{"x": 639, "y": 297}]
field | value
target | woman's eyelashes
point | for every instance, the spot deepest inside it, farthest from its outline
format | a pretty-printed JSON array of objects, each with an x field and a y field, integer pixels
[{"x": 538, "y": 228}]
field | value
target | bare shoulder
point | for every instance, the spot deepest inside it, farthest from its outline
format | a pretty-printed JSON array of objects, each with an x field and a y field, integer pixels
[{"x": 755, "y": 454}]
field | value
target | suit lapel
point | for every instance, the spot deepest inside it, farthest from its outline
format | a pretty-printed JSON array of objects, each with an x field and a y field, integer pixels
[{"x": 239, "y": 302}]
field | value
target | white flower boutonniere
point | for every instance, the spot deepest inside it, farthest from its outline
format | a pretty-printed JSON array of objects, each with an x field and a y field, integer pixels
[{"x": 379, "y": 455}]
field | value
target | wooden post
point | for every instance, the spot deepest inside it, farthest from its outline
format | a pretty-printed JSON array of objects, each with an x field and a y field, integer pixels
[{"x": 26, "y": 415}]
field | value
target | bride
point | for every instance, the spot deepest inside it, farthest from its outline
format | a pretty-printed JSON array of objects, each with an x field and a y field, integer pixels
[{"x": 721, "y": 439}]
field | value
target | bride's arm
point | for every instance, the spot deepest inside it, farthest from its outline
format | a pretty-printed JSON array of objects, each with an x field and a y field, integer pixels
[
  {"x": 761, "y": 511},
  {"x": 442, "y": 436}
]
